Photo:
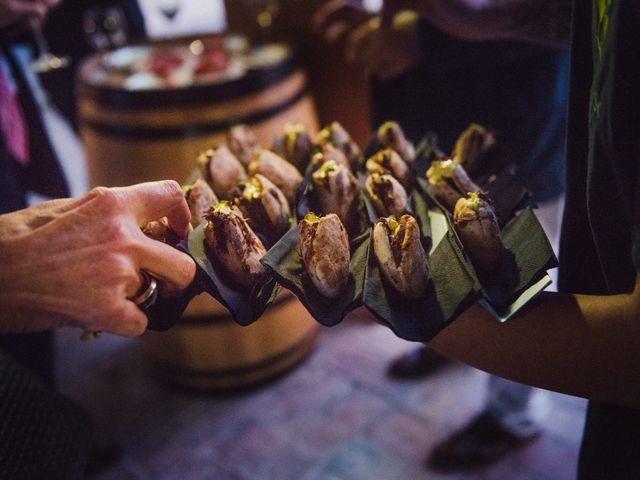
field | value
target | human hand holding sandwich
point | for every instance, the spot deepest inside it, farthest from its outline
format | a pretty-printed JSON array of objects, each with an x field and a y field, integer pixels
[{"x": 79, "y": 262}]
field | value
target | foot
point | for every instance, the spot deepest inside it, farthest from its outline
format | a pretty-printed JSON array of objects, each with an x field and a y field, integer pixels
[
  {"x": 417, "y": 363},
  {"x": 480, "y": 443}
]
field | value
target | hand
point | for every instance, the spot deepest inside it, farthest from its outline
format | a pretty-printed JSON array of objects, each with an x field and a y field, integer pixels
[
  {"x": 384, "y": 47},
  {"x": 385, "y": 52},
  {"x": 336, "y": 18},
  {"x": 76, "y": 261},
  {"x": 16, "y": 13}
]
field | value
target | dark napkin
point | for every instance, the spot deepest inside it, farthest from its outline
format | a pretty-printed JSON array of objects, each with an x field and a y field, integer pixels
[
  {"x": 166, "y": 311},
  {"x": 450, "y": 290},
  {"x": 285, "y": 263},
  {"x": 528, "y": 257},
  {"x": 246, "y": 305}
]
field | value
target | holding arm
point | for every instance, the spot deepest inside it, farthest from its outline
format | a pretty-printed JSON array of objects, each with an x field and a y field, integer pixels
[
  {"x": 77, "y": 261},
  {"x": 582, "y": 345}
]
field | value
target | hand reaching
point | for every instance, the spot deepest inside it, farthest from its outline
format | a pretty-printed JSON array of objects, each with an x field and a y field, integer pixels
[{"x": 77, "y": 261}]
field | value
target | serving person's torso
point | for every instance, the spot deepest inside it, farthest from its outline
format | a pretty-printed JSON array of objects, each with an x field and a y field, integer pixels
[
  {"x": 602, "y": 213},
  {"x": 600, "y": 250}
]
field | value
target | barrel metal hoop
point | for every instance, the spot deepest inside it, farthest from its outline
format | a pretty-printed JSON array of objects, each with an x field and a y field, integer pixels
[
  {"x": 254, "y": 81},
  {"x": 191, "y": 130},
  {"x": 305, "y": 344}
]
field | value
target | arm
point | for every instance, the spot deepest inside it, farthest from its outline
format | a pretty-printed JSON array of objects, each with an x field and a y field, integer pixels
[
  {"x": 75, "y": 261},
  {"x": 18, "y": 12},
  {"x": 576, "y": 344},
  {"x": 540, "y": 21}
]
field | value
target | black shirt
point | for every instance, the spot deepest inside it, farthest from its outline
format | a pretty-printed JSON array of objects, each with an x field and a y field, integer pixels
[{"x": 600, "y": 248}]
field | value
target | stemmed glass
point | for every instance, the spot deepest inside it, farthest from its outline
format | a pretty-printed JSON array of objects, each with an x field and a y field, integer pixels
[{"x": 45, "y": 60}]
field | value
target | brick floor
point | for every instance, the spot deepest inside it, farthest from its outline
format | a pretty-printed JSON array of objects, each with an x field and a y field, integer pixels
[{"x": 335, "y": 417}]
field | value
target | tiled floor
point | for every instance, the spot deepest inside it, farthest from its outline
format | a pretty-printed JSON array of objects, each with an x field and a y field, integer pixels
[{"x": 336, "y": 416}]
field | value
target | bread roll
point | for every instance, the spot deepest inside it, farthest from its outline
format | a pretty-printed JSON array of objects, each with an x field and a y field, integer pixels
[
  {"x": 336, "y": 191},
  {"x": 264, "y": 207},
  {"x": 324, "y": 246},
  {"x": 477, "y": 227},
  {"x": 387, "y": 195},
  {"x": 233, "y": 246},
  {"x": 283, "y": 175},
  {"x": 400, "y": 255},
  {"x": 390, "y": 135},
  {"x": 450, "y": 182},
  {"x": 222, "y": 170},
  {"x": 200, "y": 198},
  {"x": 242, "y": 142},
  {"x": 388, "y": 161}
]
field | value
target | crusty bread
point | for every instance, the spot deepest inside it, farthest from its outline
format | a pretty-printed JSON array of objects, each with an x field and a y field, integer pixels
[
  {"x": 242, "y": 142},
  {"x": 234, "y": 246},
  {"x": 391, "y": 135},
  {"x": 387, "y": 195},
  {"x": 325, "y": 253},
  {"x": 222, "y": 170},
  {"x": 284, "y": 175},
  {"x": 477, "y": 227},
  {"x": 389, "y": 161},
  {"x": 264, "y": 207},
  {"x": 400, "y": 255},
  {"x": 200, "y": 198},
  {"x": 336, "y": 190}
]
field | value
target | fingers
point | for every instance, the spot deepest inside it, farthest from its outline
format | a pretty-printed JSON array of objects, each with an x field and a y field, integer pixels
[
  {"x": 154, "y": 200},
  {"x": 337, "y": 17},
  {"x": 131, "y": 322},
  {"x": 166, "y": 264}
]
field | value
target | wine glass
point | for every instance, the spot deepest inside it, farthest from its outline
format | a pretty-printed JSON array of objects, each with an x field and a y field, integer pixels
[
  {"x": 105, "y": 28},
  {"x": 45, "y": 60}
]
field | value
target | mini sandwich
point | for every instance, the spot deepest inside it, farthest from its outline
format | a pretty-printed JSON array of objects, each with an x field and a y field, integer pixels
[
  {"x": 233, "y": 246},
  {"x": 200, "y": 199},
  {"x": 242, "y": 142},
  {"x": 390, "y": 135},
  {"x": 388, "y": 161},
  {"x": 450, "y": 182},
  {"x": 400, "y": 255},
  {"x": 387, "y": 195},
  {"x": 335, "y": 134},
  {"x": 477, "y": 226},
  {"x": 471, "y": 146},
  {"x": 264, "y": 207},
  {"x": 159, "y": 230},
  {"x": 284, "y": 175},
  {"x": 336, "y": 191},
  {"x": 324, "y": 246},
  {"x": 327, "y": 152},
  {"x": 222, "y": 170},
  {"x": 296, "y": 146}
]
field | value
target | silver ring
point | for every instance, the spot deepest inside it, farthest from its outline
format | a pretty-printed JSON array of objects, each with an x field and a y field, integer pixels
[{"x": 148, "y": 297}]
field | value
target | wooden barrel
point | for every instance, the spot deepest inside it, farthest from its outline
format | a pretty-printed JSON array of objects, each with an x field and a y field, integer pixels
[
  {"x": 207, "y": 350},
  {"x": 134, "y": 136},
  {"x": 139, "y": 136}
]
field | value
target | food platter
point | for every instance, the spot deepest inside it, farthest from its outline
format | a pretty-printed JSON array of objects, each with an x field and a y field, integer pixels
[
  {"x": 453, "y": 283},
  {"x": 180, "y": 64}
]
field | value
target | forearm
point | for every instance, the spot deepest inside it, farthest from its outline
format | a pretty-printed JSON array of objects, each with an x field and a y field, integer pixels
[
  {"x": 580, "y": 345},
  {"x": 540, "y": 21}
]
